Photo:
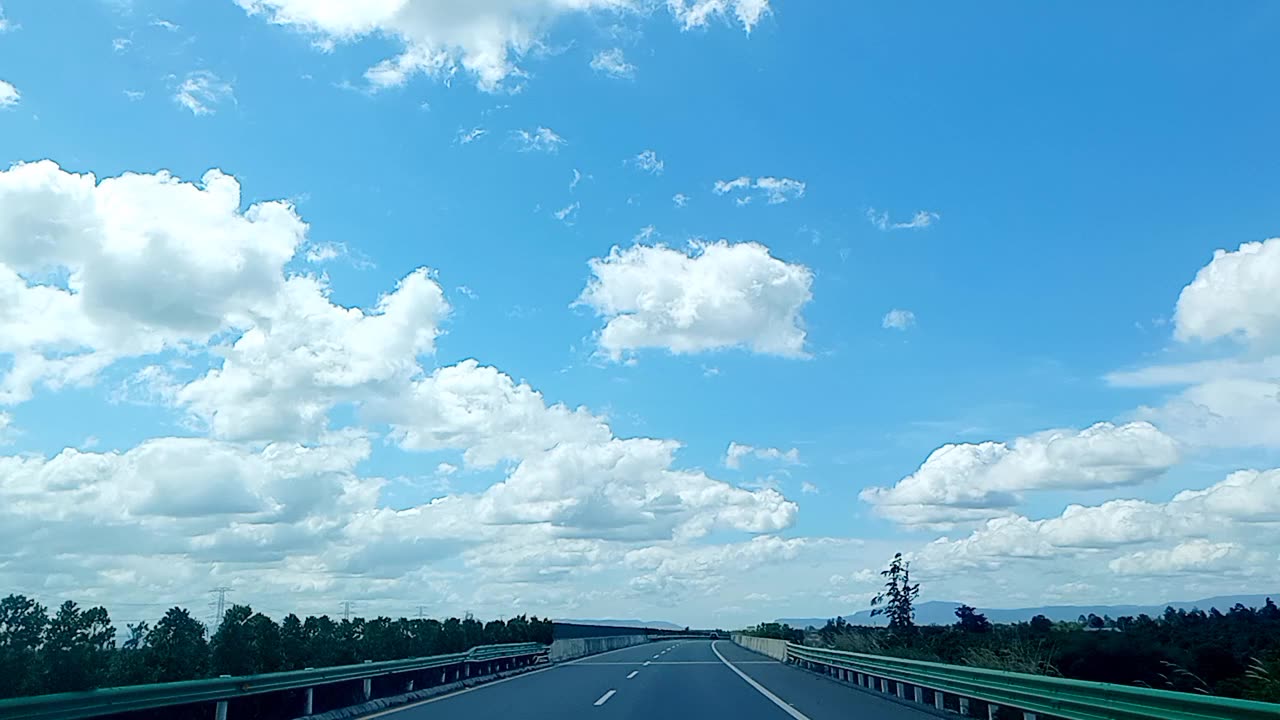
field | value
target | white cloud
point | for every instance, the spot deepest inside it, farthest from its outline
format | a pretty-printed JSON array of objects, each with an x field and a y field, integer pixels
[
  {"x": 1190, "y": 556},
  {"x": 898, "y": 319},
  {"x": 922, "y": 219},
  {"x": 446, "y": 469},
  {"x": 1232, "y": 401},
  {"x": 775, "y": 190},
  {"x": 577, "y": 178},
  {"x": 714, "y": 296},
  {"x": 121, "y": 44},
  {"x": 1233, "y": 296},
  {"x": 201, "y": 92},
  {"x": 780, "y": 190},
  {"x": 5, "y": 25},
  {"x": 733, "y": 456},
  {"x": 648, "y": 161},
  {"x": 466, "y": 137},
  {"x": 304, "y": 354},
  {"x": 221, "y": 266},
  {"x": 972, "y": 482},
  {"x": 611, "y": 62},
  {"x": 697, "y": 13},
  {"x": 165, "y": 25},
  {"x": 9, "y": 95},
  {"x": 539, "y": 139},
  {"x": 486, "y": 41},
  {"x": 7, "y": 430},
  {"x": 568, "y": 213},
  {"x": 809, "y": 488},
  {"x": 680, "y": 199},
  {"x": 134, "y": 95}
]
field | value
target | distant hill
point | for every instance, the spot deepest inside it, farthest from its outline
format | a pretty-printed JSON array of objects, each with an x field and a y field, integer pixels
[
  {"x": 937, "y": 612},
  {"x": 648, "y": 624}
]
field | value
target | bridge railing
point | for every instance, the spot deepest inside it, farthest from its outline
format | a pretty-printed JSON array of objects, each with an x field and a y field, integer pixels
[
  {"x": 94, "y": 703},
  {"x": 1036, "y": 696}
]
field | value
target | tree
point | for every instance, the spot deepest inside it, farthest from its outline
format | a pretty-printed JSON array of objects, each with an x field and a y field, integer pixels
[
  {"x": 22, "y": 624},
  {"x": 292, "y": 644},
  {"x": 1041, "y": 624},
  {"x": 176, "y": 648},
  {"x": 970, "y": 620},
  {"x": 897, "y": 600},
  {"x": 246, "y": 643},
  {"x": 77, "y": 648},
  {"x": 1096, "y": 622}
]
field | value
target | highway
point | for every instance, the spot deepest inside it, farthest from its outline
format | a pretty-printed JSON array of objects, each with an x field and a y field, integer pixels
[{"x": 663, "y": 681}]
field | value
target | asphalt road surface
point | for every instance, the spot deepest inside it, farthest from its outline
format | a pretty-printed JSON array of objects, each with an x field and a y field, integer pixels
[{"x": 668, "y": 680}]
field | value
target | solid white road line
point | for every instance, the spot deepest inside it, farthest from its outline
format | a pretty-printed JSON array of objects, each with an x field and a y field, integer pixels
[
  {"x": 633, "y": 674},
  {"x": 605, "y": 698},
  {"x": 760, "y": 688}
]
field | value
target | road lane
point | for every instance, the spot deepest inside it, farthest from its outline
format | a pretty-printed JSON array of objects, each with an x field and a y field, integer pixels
[
  {"x": 817, "y": 696},
  {"x": 688, "y": 679}
]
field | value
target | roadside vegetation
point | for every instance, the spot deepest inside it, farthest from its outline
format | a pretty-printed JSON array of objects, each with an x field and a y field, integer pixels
[
  {"x": 1235, "y": 653},
  {"x": 79, "y": 649}
]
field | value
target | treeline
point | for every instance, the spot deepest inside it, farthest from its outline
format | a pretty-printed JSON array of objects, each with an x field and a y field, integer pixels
[
  {"x": 79, "y": 649},
  {"x": 1231, "y": 654}
]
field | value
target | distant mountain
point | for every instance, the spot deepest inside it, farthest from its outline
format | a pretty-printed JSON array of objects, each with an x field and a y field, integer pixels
[
  {"x": 647, "y": 624},
  {"x": 937, "y": 612}
]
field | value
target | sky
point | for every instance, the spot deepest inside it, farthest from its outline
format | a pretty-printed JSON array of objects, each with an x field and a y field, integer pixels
[{"x": 696, "y": 310}]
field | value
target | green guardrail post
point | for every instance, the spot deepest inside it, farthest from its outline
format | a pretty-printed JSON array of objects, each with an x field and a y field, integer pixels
[
  {"x": 964, "y": 706},
  {"x": 367, "y": 685},
  {"x": 939, "y": 700},
  {"x": 220, "y": 710}
]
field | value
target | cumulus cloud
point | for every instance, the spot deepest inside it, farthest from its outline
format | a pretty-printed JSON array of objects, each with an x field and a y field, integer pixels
[
  {"x": 1227, "y": 527},
  {"x": 442, "y": 38},
  {"x": 1233, "y": 296},
  {"x": 922, "y": 219},
  {"x": 737, "y": 451},
  {"x": 1191, "y": 556},
  {"x": 680, "y": 199},
  {"x": 973, "y": 482},
  {"x": 568, "y": 213},
  {"x": 898, "y": 319},
  {"x": 714, "y": 296},
  {"x": 201, "y": 92},
  {"x": 9, "y": 95},
  {"x": 774, "y": 190},
  {"x": 106, "y": 238},
  {"x": 539, "y": 139},
  {"x": 1232, "y": 401},
  {"x": 613, "y": 63},
  {"x": 305, "y": 354}
]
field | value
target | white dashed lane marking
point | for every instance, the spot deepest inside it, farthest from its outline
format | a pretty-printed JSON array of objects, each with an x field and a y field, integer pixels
[{"x": 605, "y": 698}]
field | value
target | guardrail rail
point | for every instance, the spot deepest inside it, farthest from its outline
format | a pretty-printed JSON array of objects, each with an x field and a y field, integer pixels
[
  {"x": 1037, "y": 697},
  {"x": 479, "y": 661}
]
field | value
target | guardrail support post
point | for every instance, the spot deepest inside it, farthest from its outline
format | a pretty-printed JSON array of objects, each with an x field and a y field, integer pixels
[
  {"x": 992, "y": 711},
  {"x": 919, "y": 694},
  {"x": 902, "y": 690},
  {"x": 220, "y": 712},
  {"x": 409, "y": 686},
  {"x": 368, "y": 684},
  {"x": 308, "y": 701},
  {"x": 884, "y": 685},
  {"x": 1028, "y": 716},
  {"x": 939, "y": 700},
  {"x": 964, "y": 706}
]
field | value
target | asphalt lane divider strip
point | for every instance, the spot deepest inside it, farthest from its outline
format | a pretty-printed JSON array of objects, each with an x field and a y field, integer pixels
[
  {"x": 446, "y": 696},
  {"x": 604, "y": 698},
  {"x": 633, "y": 674},
  {"x": 760, "y": 688}
]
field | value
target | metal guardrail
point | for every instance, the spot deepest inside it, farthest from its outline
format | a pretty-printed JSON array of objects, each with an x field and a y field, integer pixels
[
  {"x": 94, "y": 703},
  {"x": 1032, "y": 694}
]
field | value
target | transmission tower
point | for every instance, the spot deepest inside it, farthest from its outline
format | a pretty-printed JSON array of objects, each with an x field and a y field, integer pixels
[
  {"x": 346, "y": 609},
  {"x": 220, "y": 603},
  {"x": 422, "y": 609}
]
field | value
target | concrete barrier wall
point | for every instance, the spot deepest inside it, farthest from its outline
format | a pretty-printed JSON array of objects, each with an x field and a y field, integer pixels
[
  {"x": 570, "y": 648},
  {"x": 776, "y": 649}
]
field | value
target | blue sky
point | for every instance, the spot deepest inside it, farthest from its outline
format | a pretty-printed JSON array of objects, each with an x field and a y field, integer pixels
[{"x": 972, "y": 226}]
